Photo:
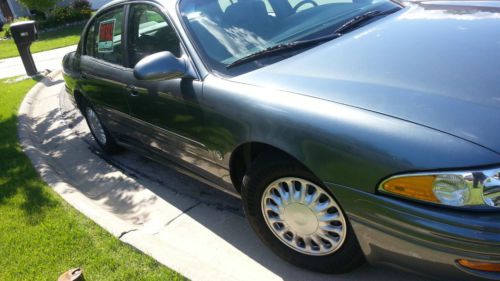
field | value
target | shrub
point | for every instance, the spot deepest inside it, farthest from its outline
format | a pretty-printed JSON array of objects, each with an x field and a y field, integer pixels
[
  {"x": 37, "y": 15},
  {"x": 82, "y": 8},
  {"x": 39, "y": 5},
  {"x": 80, "y": 5},
  {"x": 78, "y": 11},
  {"x": 6, "y": 29}
]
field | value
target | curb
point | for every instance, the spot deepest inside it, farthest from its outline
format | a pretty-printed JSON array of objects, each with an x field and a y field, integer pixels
[
  {"x": 221, "y": 244},
  {"x": 45, "y": 170},
  {"x": 183, "y": 262}
]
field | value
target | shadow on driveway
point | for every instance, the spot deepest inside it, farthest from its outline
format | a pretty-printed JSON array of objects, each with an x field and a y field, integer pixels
[{"x": 163, "y": 202}]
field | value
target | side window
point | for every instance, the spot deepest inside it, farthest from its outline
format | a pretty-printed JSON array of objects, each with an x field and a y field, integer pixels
[
  {"x": 108, "y": 39},
  {"x": 149, "y": 33}
]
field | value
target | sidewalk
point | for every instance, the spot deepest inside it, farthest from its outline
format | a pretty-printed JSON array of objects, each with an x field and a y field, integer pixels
[
  {"x": 187, "y": 226},
  {"x": 45, "y": 60}
]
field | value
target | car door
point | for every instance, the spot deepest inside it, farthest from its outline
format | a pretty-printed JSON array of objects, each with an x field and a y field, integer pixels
[
  {"x": 102, "y": 69},
  {"x": 168, "y": 113}
]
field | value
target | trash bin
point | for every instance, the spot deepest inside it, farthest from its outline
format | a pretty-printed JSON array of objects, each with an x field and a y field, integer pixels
[{"x": 25, "y": 33}]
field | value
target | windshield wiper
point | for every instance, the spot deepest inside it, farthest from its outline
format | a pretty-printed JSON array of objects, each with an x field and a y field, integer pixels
[
  {"x": 283, "y": 47},
  {"x": 305, "y": 43},
  {"x": 356, "y": 21}
]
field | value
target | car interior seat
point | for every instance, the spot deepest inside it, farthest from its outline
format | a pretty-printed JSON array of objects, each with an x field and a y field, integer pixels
[{"x": 250, "y": 15}]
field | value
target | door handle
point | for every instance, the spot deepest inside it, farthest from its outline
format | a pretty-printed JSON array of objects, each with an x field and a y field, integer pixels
[{"x": 133, "y": 91}]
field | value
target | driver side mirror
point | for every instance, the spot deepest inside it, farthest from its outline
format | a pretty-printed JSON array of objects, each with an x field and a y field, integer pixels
[{"x": 160, "y": 66}]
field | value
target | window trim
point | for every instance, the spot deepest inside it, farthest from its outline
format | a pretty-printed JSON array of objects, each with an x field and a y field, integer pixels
[
  {"x": 90, "y": 24},
  {"x": 125, "y": 56}
]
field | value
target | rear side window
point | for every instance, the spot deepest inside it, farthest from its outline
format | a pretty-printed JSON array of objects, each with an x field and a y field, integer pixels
[{"x": 107, "y": 33}]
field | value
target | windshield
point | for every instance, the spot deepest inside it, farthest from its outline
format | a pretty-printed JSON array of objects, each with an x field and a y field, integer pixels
[{"x": 228, "y": 30}]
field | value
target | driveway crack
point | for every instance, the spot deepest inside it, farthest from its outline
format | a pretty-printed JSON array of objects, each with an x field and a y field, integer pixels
[
  {"x": 125, "y": 233},
  {"x": 182, "y": 213}
]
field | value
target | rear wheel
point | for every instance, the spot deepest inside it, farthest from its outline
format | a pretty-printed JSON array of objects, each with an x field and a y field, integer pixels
[
  {"x": 102, "y": 136},
  {"x": 297, "y": 217}
]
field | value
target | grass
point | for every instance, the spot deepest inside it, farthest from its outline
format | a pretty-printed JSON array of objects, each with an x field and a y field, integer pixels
[
  {"x": 41, "y": 236},
  {"x": 47, "y": 41}
]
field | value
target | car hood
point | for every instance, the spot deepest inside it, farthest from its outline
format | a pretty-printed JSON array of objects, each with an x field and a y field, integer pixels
[{"x": 436, "y": 64}]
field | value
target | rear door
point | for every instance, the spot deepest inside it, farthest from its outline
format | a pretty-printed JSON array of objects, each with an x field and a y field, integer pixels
[{"x": 103, "y": 71}]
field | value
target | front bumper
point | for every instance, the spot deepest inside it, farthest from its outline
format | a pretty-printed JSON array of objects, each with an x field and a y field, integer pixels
[{"x": 423, "y": 239}]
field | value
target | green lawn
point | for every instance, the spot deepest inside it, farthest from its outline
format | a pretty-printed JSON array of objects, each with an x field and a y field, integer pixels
[
  {"x": 48, "y": 41},
  {"x": 41, "y": 236},
  {"x": 2, "y": 33}
]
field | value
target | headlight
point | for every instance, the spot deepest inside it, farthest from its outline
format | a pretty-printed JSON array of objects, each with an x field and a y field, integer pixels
[{"x": 467, "y": 188}]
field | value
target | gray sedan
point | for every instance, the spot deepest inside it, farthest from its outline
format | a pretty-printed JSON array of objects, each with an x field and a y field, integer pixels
[{"x": 352, "y": 130}]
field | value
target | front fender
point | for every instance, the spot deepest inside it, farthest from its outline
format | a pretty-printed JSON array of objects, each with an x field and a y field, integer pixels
[{"x": 340, "y": 144}]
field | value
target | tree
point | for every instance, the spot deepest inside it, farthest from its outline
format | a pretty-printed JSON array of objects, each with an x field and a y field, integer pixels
[{"x": 40, "y": 5}]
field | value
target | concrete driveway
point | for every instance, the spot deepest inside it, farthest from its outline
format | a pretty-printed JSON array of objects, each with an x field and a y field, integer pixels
[
  {"x": 196, "y": 230},
  {"x": 45, "y": 60}
]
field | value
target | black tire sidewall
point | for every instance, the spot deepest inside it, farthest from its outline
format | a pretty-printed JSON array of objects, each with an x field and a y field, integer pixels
[
  {"x": 347, "y": 257},
  {"x": 110, "y": 146}
]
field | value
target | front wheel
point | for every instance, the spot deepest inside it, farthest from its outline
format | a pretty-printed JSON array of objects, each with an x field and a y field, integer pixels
[{"x": 298, "y": 218}]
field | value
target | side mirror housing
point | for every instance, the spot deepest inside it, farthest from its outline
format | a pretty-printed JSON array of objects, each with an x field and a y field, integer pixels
[{"x": 160, "y": 66}]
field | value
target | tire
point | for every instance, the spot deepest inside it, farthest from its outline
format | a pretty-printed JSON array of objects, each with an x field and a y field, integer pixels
[
  {"x": 270, "y": 172},
  {"x": 101, "y": 135}
]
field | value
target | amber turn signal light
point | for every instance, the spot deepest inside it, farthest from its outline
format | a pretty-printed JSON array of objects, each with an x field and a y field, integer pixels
[
  {"x": 479, "y": 265},
  {"x": 417, "y": 187}
]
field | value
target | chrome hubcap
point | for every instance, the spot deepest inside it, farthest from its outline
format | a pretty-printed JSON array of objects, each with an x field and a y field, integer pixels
[
  {"x": 96, "y": 126},
  {"x": 303, "y": 216}
]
